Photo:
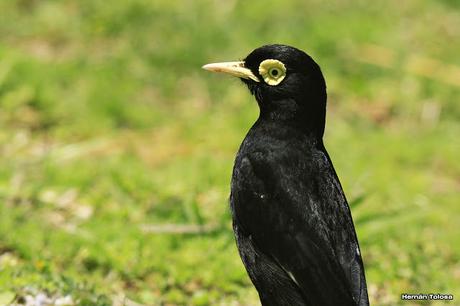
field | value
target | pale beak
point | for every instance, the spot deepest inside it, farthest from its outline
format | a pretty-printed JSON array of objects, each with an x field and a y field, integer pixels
[{"x": 233, "y": 68}]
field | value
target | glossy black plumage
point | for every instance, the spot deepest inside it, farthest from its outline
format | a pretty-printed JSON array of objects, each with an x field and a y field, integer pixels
[{"x": 292, "y": 223}]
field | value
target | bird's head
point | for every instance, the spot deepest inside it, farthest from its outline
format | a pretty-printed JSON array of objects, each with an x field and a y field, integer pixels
[{"x": 287, "y": 83}]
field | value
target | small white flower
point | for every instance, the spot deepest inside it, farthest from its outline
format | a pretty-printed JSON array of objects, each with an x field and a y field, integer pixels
[{"x": 64, "y": 301}]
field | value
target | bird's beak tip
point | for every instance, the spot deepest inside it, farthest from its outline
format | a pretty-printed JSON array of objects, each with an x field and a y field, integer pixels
[{"x": 205, "y": 67}]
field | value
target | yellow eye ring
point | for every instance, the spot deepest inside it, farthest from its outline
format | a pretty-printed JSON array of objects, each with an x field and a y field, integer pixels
[{"x": 272, "y": 71}]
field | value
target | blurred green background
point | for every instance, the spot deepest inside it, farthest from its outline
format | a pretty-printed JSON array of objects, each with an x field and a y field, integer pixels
[{"x": 117, "y": 149}]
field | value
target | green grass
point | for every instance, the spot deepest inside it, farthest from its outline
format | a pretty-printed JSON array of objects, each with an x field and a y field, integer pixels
[{"x": 111, "y": 134}]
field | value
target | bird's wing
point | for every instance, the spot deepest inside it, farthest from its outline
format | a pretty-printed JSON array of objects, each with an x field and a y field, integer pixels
[{"x": 295, "y": 211}]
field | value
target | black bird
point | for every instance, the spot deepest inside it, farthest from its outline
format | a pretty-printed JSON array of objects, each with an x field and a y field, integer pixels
[{"x": 292, "y": 222}]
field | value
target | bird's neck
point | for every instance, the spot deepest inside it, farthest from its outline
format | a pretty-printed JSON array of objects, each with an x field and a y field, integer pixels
[{"x": 288, "y": 112}]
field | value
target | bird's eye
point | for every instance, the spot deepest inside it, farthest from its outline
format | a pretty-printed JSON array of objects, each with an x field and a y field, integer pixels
[{"x": 273, "y": 71}]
